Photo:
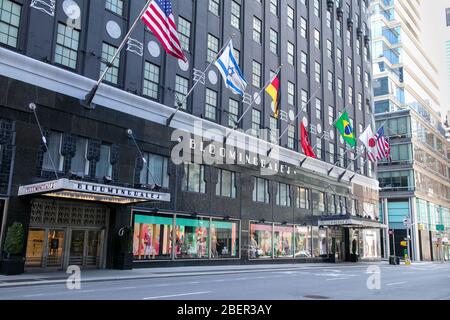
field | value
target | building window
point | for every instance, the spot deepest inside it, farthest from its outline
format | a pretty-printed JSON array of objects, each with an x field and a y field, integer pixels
[
  {"x": 256, "y": 75},
  {"x": 235, "y": 14},
  {"x": 274, "y": 7},
  {"x": 9, "y": 22},
  {"x": 260, "y": 190},
  {"x": 330, "y": 116},
  {"x": 115, "y": 6},
  {"x": 329, "y": 49},
  {"x": 184, "y": 32},
  {"x": 317, "y": 39},
  {"x": 304, "y": 100},
  {"x": 273, "y": 126},
  {"x": 283, "y": 195},
  {"x": 103, "y": 166},
  {"x": 304, "y": 62},
  {"x": 53, "y": 159},
  {"x": 290, "y": 53},
  {"x": 349, "y": 65},
  {"x": 318, "y": 200},
  {"x": 303, "y": 28},
  {"x": 66, "y": 50},
  {"x": 317, "y": 8},
  {"x": 79, "y": 164},
  {"x": 339, "y": 56},
  {"x": 257, "y": 29},
  {"x": 213, "y": 48},
  {"x": 340, "y": 88},
  {"x": 211, "y": 104},
  {"x": 291, "y": 93},
  {"x": 290, "y": 17},
  {"x": 330, "y": 81},
  {"x": 151, "y": 81},
  {"x": 181, "y": 90},
  {"x": 331, "y": 152},
  {"x": 256, "y": 121},
  {"x": 332, "y": 204},
  {"x": 233, "y": 112},
  {"x": 318, "y": 108},
  {"x": 291, "y": 137},
  {"x": 154, "y": 171},
  {"x": 226, "y": 184},
  {"x": 108, "y": 51},
  {"x": 318, "y": 72},
  {"x": 194, "y": 178},
  {"x": 214, "y": 6},
  {"x": 303, "y": 198},
  {"x": 274, "y": 41},
  {"x": 318, "y": 147},
  {"x": 350, "y": 95}
]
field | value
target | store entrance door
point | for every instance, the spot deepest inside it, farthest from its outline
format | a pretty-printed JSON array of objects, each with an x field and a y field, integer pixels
[
  {"x": 85, "y": 248},
  {"x": 45, "y": 248}
]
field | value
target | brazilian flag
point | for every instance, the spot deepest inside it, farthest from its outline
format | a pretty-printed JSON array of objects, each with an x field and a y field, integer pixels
[{"x": 345, "y": 128}]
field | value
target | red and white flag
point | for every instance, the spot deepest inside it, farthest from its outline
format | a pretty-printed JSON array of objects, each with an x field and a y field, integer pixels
[
  {"x": 160, "y": 20},
  {"x": 370, "y": 142}
]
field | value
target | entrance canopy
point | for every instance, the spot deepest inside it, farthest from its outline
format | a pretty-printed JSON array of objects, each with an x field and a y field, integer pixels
[
  {"x": 88, "y": 191},
  {"x": 350, "y": 222}
]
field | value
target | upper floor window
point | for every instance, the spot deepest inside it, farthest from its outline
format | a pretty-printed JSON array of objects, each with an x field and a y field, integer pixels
[
  {"x": 184, "y": 32},
  {"x": 283, "y": 195},
  {"x": 79, "y": 164},
  {"x": 211, "y": 104},
  {"x": 66, "y": 50},
  {"x": 226, "y": 184},
  {"x": 194, "y": 178},
  {"x": 154, "y": 170},
  {"x": 274, "y": 7},
  {"x": 235, "y": 14},
  {"x": 274, "y": 41},
  {"x": 260, "y": 190},
  {"x": 318, "y": 200},
  {"x": 214, "y": 6},
  {"x": 290, "y": 17},
  {"x": 303, "y": 198},
  {"x": 151, "y": 80},
  {"x": 103, "y": 166},
  {"x": 213, "y": 47},
  {"x": 108, "y": 51},
  {"x": 115, "y": 6},
  {"x": 257, "y": 29},
  {"x": 9, "y": 22},
  {"x": 181, "y": 90},
  {"x": 53, "y": 159}
]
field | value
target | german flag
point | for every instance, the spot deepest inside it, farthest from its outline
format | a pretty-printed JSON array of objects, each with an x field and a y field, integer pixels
[{"x": 273, "y": 89}]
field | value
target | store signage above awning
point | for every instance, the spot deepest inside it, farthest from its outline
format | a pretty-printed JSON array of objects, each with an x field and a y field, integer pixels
[
  {"x": 351, "y": 222},
  {"x": 88, "y": 191}
]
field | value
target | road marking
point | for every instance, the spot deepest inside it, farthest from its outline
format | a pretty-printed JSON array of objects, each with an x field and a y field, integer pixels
[
  {"x": 220, "y": 280},
  {"x": 33, "y": 295},
  {"x": 177, "y": 295},
  {"x": 396, "y": 283},
  {"x": 193, "y": 282}
]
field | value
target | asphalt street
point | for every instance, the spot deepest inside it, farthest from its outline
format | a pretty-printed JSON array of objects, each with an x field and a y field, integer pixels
[{"x": 359, "y": 282}]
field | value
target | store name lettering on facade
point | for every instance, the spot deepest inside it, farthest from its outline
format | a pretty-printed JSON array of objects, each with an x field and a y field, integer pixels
[
  {"x": 116, "y": 191},
  {"x": 205, "y": 149}
]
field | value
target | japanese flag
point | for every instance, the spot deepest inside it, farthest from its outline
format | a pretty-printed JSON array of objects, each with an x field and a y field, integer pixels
[{"x": 370, "y": 142}]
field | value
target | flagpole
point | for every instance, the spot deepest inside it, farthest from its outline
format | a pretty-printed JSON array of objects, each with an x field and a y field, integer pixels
[
  {"x": 296, "y": 117},
  {"x": 180, "y": 103},
  {"x": 236, "y": 123},
  {"x": 87, "y": 101}
]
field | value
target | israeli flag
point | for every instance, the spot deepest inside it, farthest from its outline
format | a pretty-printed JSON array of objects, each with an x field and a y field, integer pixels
[{"x": 230, "y": 71}]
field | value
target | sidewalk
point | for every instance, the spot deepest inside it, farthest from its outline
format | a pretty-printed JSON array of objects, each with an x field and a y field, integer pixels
[{"x": 91, "y": 275}]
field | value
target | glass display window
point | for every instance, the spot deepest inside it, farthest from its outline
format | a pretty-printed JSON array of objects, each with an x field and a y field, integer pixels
[
  {"x": 152, "y": 239},
  {"x": 283, "y": 241},
  {"x": 302, "y": 242},
  {"x": 260, "y": 245},
  {"x": 224, "y": 239},
  {"x": 192, "y": 238}
]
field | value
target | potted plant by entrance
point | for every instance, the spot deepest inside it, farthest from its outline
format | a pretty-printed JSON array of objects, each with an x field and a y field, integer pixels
[
  {"x": 123, "y": 257},
  {"x": 354, "y": 257},
  {"x": 13, "y": 261}
]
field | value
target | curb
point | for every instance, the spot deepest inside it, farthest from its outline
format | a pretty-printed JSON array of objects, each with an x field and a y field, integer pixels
[{"x": 161, "y": 276}]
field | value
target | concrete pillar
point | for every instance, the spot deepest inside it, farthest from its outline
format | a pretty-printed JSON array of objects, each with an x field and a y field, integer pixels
[{"x": 415, "y": 245}]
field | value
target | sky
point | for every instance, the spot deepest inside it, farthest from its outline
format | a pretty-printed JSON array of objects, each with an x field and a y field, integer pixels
[{"x": 434, "y": 35}]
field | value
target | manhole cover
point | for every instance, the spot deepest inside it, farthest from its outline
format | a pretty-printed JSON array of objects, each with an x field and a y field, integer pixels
[{"x": 316, "y": 297}]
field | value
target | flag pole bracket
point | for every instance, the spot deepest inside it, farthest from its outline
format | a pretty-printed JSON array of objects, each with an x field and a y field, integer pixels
[
  {"x": 341, "y": 176},
  {"x": 303, "y": 162},
  {"x": 331, "y": 170},
  {"x": 87, "y": 101},
  {"x": 352, "y": 177}
]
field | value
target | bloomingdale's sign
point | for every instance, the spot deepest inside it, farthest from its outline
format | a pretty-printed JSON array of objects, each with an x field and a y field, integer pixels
[{"x": 202, "y": 150}]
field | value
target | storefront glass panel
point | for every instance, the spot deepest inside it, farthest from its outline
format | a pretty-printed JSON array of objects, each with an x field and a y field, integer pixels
[
  {"x": 35, "y": 248},
  {"x": 224, "y": 239},
  {"x": 152, "y": 239},
  {"x": 370, "y": 241},
  {"x": 302, "y": 242},
  {"x": 77, "y": 247},
  {"x": 55, "y": 248},
  {"x": 283, "y": 241},
  {"x": 192, "y": 238},
  {"x": 260, "y": 241}
]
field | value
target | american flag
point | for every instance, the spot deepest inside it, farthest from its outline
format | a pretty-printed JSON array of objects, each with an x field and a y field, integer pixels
[
  {"x": 383, "y": 146},
  {"x": 160, "y": 20}
]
